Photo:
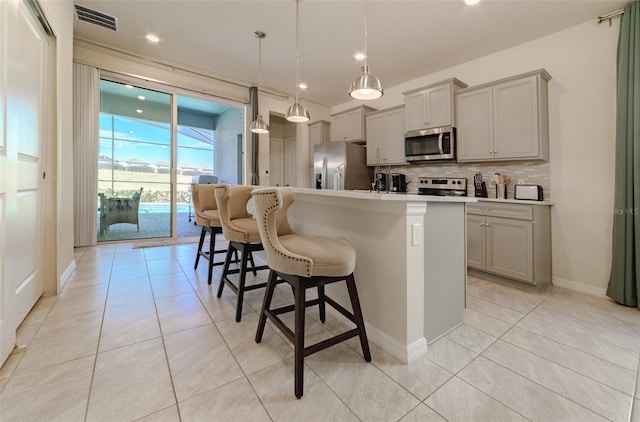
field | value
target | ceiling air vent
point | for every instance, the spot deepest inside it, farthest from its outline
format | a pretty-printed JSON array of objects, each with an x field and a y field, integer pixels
[{"x": 96, "y": 18}]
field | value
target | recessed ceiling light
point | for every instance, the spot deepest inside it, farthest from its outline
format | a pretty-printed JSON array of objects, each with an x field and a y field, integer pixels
[
  {"x": 141, "y": 97},
  {"x": 471, "y": 2},
  {"x": 153, "y": 38},
  {"x": 359, "y": 56},
  {"x": 138, "y": 111},
  {"x": 302, "y": 85},
  {"x": 129, "y": 86}
]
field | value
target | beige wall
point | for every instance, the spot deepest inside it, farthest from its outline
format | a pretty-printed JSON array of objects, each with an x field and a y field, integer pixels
[
  {"x": 581, "y": 61},
  {"x": 60, "y": 15}
]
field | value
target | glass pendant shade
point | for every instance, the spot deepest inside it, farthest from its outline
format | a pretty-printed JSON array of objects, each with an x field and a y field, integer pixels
[
  {"x": 296, "y": 113},
  {"x": 259, "y": 125},
  {"x": 366, "y": 86}
]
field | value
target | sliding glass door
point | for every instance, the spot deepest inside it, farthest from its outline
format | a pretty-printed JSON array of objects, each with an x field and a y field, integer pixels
[{"x": 148, "y": 159}]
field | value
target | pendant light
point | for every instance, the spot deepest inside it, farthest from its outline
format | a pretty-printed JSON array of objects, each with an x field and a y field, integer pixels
[
  {"x": 259, "y": 125},
  {"x": 366, "y": 86},
  {"x": 297, "y": 113}
]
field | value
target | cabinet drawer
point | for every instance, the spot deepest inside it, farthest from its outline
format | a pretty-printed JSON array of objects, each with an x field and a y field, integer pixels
[{"x": 494, "y": 209}]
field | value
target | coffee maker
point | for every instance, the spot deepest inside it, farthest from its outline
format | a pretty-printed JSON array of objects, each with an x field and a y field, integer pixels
[{"x": 398, "y": 182}]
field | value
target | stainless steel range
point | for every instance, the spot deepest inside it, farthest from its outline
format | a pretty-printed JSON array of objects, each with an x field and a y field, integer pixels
[{"x": 442, "y": 186}]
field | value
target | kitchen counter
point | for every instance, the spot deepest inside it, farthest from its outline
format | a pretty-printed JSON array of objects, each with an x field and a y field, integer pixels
[{"x": 411, "y": 260}]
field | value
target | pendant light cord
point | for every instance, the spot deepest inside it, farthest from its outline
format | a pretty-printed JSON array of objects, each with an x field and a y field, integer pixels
[
  {"x": 259, "y": 61},
  {"x": 297, "y": 55},
  {"x": 365, "y": 33}
]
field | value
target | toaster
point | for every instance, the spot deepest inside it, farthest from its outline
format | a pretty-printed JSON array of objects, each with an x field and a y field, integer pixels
[{"x": 528, "y": 192}]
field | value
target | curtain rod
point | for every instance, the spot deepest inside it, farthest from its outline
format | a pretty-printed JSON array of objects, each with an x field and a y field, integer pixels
[{"x": 610, "y": 16}]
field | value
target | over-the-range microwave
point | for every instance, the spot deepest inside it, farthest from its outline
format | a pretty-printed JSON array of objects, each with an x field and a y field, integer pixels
[{"x": 430, "y": 144}]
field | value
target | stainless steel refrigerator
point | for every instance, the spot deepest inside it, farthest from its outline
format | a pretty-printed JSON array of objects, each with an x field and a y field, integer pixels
[{"x": 341, "y": 165}]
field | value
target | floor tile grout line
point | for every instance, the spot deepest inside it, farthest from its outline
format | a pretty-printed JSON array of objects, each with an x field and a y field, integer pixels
[
  {"x": 591, "y": 309},
  {"x": 164, "y": 348},
  {"x": 594, "y": 322},
  {"x": 95, "y": 357},
  {"x": 533, "y": 381},
  {"x": 246, "y": 377},
  {"x": 489, "y": 395},
  {"x": 632, "y": 407},
  {"x": 546, "y": 388}
]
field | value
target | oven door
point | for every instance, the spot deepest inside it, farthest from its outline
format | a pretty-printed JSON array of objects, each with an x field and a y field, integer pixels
[{"x": 430, "y": 144}]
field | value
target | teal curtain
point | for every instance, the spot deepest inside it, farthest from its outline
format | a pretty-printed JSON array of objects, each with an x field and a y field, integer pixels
[{"x": 624, "y": 282}]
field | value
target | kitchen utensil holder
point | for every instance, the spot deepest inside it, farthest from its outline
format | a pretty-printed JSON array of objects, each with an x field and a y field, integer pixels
[{"x": 501, "y": 191}]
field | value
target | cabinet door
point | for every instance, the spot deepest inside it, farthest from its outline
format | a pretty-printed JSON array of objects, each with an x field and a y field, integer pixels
[
  {"x": 315, "y": 138},
  {"x": 515, "y": 111},
  {"x": 509, "y": 248},
  {"x": 375, "y": 131},
  {"x": 475, "y": 125},
  {"x": 438, "y": 106},
  {"x": 415, "y": 111},
  {"x": 354, "y": 126},
  {"x": 393, "y": 141},
  {"x": 475, "y": 242},
  {"x": 339, "y": 128}
]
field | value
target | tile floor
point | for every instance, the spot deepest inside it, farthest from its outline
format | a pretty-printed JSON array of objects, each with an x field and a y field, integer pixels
[{"x": 137, "y": 334}]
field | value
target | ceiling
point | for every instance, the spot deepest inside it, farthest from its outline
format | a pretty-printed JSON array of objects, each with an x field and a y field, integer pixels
[{"x": 406, "y": 39}]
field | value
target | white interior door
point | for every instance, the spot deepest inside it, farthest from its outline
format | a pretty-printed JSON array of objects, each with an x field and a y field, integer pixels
[
  {"x": 23, "y": 94},
  {"x": 276, "y": 161}
]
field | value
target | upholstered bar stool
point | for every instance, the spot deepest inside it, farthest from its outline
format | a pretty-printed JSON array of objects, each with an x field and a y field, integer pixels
[
  {"x": 241, "y": 230},
  {"x": 304, "y": 262},
  {"x": 207, "y": 216}
]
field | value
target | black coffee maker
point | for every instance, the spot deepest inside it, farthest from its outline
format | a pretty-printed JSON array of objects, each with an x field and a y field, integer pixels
[{"x": 398, "y": 182}]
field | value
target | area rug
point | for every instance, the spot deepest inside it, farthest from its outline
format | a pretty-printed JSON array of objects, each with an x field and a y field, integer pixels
[{"x": 165, "y": 242}]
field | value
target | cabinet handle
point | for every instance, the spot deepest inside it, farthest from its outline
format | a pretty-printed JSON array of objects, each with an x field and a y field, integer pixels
[{"x": 481, "y": 224}]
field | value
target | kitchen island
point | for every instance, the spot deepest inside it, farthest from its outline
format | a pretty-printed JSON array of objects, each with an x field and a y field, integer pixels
[{"x": 411, "y": 260}]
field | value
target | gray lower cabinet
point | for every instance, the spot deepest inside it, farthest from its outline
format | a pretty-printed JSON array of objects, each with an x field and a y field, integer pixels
[{"x": 510, "y": 240}]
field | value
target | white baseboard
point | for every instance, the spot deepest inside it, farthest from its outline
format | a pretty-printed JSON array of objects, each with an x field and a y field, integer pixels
[
  {"x": 66, "y": 275},
  {"x": 406, "y": 354},
  {"x": 580, "y": 287}
]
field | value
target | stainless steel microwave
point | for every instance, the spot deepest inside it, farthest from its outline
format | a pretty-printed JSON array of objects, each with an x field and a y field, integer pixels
[{"x": 430, "y": 144}]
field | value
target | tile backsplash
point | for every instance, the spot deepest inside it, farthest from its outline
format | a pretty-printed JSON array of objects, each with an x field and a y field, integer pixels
[{"x": 533, "y": 173}]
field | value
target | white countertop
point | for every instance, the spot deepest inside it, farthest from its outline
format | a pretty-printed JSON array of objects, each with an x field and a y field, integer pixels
[{"x": 384, "y": 196}]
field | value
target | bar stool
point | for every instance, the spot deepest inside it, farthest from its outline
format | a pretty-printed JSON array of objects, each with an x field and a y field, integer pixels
[
  {"x": 207, "y": 216},
  {"x": 241, "y": 230},
  {"x": 304, "y": 262}
]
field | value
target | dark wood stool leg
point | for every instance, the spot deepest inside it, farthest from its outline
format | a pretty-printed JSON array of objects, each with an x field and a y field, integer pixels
[
  {"x": 266, "y": 304},
  {"x": 244, "y": 255},
  {"x": 321, "y": 304},
  {"x": 253, "y": 264},
  {"x": 212, "y": 247},
  {"x": 202, "y": 234},
  {"x": 299, "y": 336},
  {"x": 225, "y": 269},
  {"x": 357, "y": 314}
]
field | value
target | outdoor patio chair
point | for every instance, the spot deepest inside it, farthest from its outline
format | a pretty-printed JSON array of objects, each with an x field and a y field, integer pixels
[{"x": 114, "y": 210}]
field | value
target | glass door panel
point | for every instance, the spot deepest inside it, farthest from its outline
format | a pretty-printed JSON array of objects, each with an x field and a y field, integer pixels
[
  {"x": 134, "y": 170},
  {"x": 206, "y": 152}
]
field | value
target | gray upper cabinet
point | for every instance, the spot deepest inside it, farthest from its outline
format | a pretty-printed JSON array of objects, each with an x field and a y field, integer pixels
[
  {"x": 349, "y": 125},
  {"x": 504, "y": 120},
  {"x": 318, "y": 134},
  {"x": 431, "y": 106},
  {"x": 385, "y": 137}
]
